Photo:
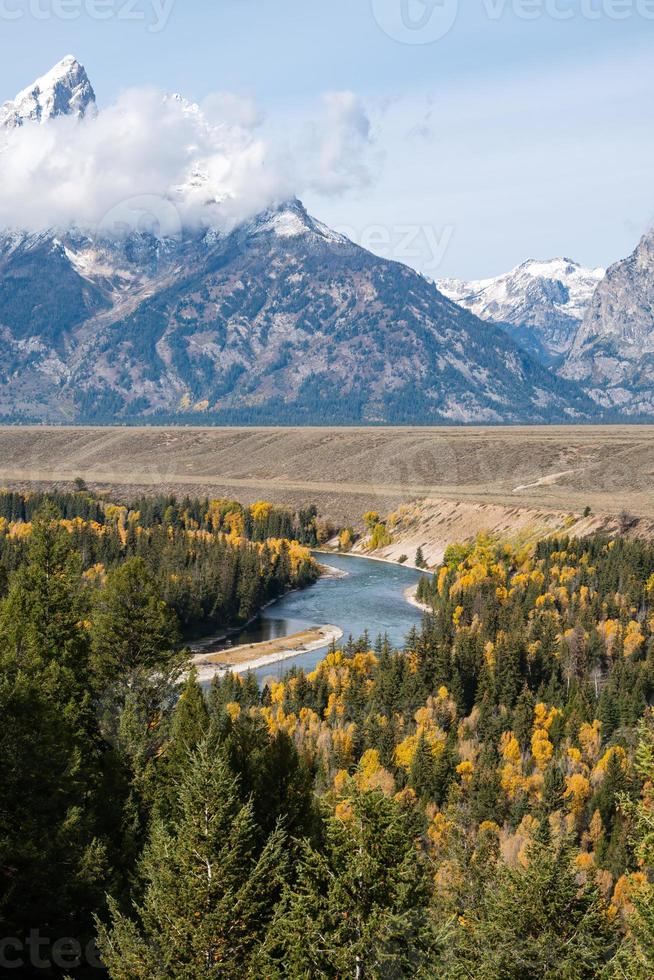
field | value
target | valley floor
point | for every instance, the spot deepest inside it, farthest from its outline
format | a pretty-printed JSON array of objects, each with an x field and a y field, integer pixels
[{"x": 347, "y": 471}]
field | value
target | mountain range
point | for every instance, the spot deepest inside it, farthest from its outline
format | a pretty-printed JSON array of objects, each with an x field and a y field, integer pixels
[{"x": 282, "y": 320}]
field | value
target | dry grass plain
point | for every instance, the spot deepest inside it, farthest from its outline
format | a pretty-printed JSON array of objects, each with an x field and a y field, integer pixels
[{"x": 346, "y": 471}]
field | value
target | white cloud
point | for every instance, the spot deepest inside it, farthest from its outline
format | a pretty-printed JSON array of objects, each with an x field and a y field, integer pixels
[
  {"x": 343, "y": 140},
  {"x": 206, "y": 165}
]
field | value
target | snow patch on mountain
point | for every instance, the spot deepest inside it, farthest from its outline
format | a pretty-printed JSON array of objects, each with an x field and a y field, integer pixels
[
  {"x": 566, "y": 284},
  {"x": 290, "y": 220}
]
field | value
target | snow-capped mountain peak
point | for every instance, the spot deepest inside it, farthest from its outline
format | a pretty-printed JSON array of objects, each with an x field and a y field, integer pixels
[
  {"x": 290, "y": 219},
  {"x": 63, "y": 91},
  {"x": 542, "y": 303}
]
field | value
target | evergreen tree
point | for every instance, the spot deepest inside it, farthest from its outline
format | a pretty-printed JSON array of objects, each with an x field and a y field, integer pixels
[
  {"x": 133, "y": 629},
  {"x": 523, "y": 717},
  {"x": 208, "y": 891},
  {"x": 42, "y": 616},
  {"x": 52, "y": 862},
  {"x": 422, "y": 775},
  {"x": 272, "y": 775},
  {"x": 188, "y": 727},
  {"x": 360, "y": 905},
  {"x": 52, "y": 855},
  {"x": 190, "y": 719},
  {"x": 135, "y": 667},
  {"x": 553, "y": 788},
  {"x": 534, "y": 923},
  {"x": 635, "y": 959}
]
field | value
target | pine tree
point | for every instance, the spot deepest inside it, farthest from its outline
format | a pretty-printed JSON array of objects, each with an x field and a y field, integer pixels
[
  {"x": 422, "y": 775},
  {"x": 52, "y": 862},
  {"x": 360, "y": 907},
  {"x": 445, "y": 769},
  {"x": 190, "y": 719},
  {"x": 508, "y": 673},
  {"x": 133, "y": 629},
  {"x": 41, "y": 618},
  {"x": 535, "y": 923},
  {"x": 553, "y": 788},
  {"x": 208, "y": 891},
  {"x": 612, "y": 786},
  {"x": 635, "y": 959},
  {"x": 272, "y": 775},
  {"x": 188, "y": 728},
  {"x": 608, "y": 712},
  {"x": 135, "y": 666},
  {"x": 523, "y": 717},
  {"x": 52, "y": 858}
]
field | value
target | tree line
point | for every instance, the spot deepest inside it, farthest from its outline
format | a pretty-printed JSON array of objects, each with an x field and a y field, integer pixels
[{"x": 216, "y": 563}]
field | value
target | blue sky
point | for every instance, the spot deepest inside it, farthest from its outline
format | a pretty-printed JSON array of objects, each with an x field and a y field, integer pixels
[{"x": 525, "y": 131}]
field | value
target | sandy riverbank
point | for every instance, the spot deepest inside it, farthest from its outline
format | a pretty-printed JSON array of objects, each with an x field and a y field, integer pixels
[
  {"x": 254, "y": 656},
  {"x": 411, "y": 596},
  {"x": 330, "y": 571}
]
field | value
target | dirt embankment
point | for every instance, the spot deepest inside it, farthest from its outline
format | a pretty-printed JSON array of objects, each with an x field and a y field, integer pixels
[
  {"x": 446, "y": 484},
  {"x": 432, "y": 525}
]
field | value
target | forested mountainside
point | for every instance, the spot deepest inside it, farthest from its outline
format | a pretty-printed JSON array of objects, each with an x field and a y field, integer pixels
[{"x": 478, "y": 804}]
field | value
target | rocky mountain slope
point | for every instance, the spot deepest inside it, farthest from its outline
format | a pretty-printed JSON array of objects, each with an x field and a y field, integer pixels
[
  {"x": 613, "y": 352},
  {"x": 540, "y": 304},
  {"x": 281, "y": 320}
]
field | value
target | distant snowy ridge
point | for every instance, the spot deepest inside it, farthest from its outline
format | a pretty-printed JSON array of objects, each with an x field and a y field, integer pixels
[{"x": 541, "y": 302}]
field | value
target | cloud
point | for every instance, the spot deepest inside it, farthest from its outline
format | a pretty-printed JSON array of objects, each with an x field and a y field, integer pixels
[
  {"x": 207, "y": 165},
  {"x": 343, "y": 142}
]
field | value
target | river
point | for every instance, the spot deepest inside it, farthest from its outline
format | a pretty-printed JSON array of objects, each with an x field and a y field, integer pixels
[{"x": 370, "y": 597}]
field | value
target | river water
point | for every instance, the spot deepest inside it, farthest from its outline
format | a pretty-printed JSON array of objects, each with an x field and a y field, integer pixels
[{"x": 370, "y": 597}]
